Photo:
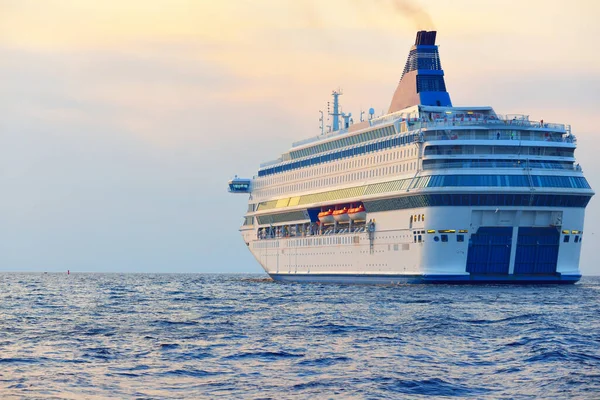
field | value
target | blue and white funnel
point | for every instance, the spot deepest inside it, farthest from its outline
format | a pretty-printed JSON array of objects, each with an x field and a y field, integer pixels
[{"x": 422, "y": 81}]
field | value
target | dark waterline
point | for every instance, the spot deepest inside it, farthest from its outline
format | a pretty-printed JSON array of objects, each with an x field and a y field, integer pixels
[{"x": 243, "y": 336}]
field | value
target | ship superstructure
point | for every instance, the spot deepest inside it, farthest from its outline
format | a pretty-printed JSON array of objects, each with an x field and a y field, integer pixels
[{"x": 426, "y": 193}]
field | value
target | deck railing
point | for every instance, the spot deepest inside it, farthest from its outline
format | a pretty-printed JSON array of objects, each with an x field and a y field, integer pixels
[{"x": 500, "y": 164}]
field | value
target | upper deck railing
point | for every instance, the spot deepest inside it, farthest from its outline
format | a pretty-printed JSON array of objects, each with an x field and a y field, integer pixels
[
  {"x": 372, "y": 122},
  {"x": 491, "y": 122},
  {"x": 498, "y": 134},
  {"x": 517, "y": 163},
  {"x": 449, "y": 121},
  {"x": 502, "y": 127}
]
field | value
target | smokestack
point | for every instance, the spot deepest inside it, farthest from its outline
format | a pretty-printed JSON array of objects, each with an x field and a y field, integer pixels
[
  {"x": 425, "y": 38},
  {"x": 422, "y": 81}
]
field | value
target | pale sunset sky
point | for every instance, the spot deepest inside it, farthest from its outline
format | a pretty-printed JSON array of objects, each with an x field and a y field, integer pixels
[{"x": 122, "y": 120}]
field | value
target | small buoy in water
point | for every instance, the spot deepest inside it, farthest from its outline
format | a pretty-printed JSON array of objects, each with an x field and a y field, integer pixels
[{"x": 68, "y": 272}]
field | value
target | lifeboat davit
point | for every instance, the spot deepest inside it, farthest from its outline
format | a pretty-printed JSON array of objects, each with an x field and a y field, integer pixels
[
  {"x": 358, "y": 213},
  {"x": 326, "y": 217},
  {"x": 341, "y": 215}
]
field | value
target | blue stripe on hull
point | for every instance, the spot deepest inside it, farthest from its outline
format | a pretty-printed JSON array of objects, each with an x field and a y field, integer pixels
[{"x": 428, "y": 279}]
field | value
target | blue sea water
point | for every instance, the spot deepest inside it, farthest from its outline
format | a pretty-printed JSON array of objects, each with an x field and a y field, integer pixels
[{"x": 243, "y": 336}]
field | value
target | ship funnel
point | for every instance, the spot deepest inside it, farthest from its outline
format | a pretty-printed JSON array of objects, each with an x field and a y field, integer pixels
[{"x": 422, "y": 82}]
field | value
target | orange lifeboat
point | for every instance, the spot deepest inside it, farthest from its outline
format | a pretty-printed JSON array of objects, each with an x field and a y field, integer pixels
[
  {"x": 358, "y": 213},
  {"x": 341, "y": 215},
  {"x": 326, "y": 217}
]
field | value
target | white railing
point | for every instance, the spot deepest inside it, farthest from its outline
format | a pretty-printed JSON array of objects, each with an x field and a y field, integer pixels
[
  {"x": 499, "y": 134},
  {"x": 523, "y": 164},
  {"x": 487, "y": 122}
]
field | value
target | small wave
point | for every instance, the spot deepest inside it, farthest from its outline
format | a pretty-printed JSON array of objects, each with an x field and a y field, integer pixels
[
  {"x": 125, "y": 374},
  {"x": 562, "y": 355},
  {"x": 432, "y": 387},
  {"x": 269, "y": 355},
  {"x": 528, "y": 318},
  {"x": 166, "y": 322},
  {"x": 102, "y": 353},
  {"x": 20, "y": 360},
  {"x": 195, "y": 373},
  {"x": 168, "y": 346},
  {"x": 258, "y": 280},
  {"x": 96, "y": 331},
  {"x": 324, "y": 361},
  {"x": 321, "y": 383},
  {"x": 338, "y": 328}
]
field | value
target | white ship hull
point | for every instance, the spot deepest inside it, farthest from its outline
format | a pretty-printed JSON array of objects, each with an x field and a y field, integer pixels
[{"x": 400, "y": 253}]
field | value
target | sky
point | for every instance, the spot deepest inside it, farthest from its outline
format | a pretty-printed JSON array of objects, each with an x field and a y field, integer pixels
[{"x": 121, "y": 121}]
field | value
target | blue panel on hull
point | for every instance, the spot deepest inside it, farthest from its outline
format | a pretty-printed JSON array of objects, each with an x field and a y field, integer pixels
[
  {"x": 537, "y": 250},
  {"x": 489, "y": 251},
  {"x": 313, "y": 213}
]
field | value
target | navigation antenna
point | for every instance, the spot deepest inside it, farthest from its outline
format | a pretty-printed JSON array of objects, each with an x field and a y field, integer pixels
[
  {"x": 322, "y": 126},
  {"x": 336, "y": 109}
]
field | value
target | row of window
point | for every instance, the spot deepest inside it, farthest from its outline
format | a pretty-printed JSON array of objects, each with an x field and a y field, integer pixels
[
  {"x": 354, "y": 151},
  {"x": 488, "y": 199},
  {"x": 339, "y": 179},
  {"x": 431, "y": 182},
  {"x": 492, "y": 133},
  {"x": 466, "y": 163},
  {"x": 576, "y": 239},
  {"x": 438, "y": 150},
  {"x": 346, "y": 140},
  {"x": 409, "y": 152},
  {"x": 443, "y": 238},
  {"x": 573, "y": 182},
  {"x": 437, "y": 200}
]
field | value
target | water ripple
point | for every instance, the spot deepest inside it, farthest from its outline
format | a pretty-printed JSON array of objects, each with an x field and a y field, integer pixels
[{"x": 205, "y": 336}]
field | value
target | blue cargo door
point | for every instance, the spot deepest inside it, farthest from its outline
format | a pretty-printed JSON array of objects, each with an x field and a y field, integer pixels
[
  {"x": 537, "y": 250},
  {"x": 489, "y": 250}
]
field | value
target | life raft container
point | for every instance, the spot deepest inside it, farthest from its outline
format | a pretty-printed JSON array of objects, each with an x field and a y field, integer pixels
[
  {"x": 357, "y": 213},
  {"x": 341, "y": 215},
  {"x": 326, "y": 217}
]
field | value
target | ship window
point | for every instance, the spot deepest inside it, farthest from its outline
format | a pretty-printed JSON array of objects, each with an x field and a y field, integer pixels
[
  {"x": 444, "y": 238},
  {"x": 436, "y": 238},
  {"x": 420, "y": 238},
  {"x": 566, "y": 239},
  {"x": 576, "y": 239},
  {"x": 460, "y": 238}
]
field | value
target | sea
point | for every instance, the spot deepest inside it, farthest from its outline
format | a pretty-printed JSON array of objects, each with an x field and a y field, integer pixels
[{"x": 193, "y": 336}]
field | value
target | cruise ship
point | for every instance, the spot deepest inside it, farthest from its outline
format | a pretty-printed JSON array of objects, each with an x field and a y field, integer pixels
[{"x": 427, "y": 193}]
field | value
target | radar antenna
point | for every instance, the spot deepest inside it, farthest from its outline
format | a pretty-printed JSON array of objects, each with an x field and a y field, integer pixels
[
  {"x": 336, "y": 109},
  {"x": 322, "y": 125}
]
